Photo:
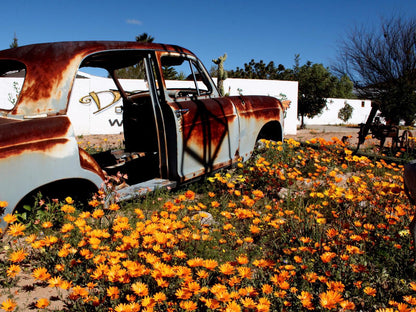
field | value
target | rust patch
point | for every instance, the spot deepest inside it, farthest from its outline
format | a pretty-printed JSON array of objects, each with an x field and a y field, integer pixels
[
  {"x": 258, "y": 107},
  {"x": 207, "y": 122},
  {"x": 224, "y": 164},
  {"x": 4, "y": 121},
  {"x": 17, "y": 132},
  {"x": 42, "y": 146},
  {"x": 88, "y": 163}
]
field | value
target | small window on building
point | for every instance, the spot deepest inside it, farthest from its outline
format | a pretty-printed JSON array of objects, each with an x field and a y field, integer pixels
[{"x": 362, "y": 103}]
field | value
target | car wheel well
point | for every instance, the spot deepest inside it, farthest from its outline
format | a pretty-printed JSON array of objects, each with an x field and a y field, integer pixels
[
  {"x": 78, "y": 189},
  {"x": 271, "y": 131}
]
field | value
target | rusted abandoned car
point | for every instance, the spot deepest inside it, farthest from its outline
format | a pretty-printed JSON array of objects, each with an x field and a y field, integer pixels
[{"x": 171, "y": 134}]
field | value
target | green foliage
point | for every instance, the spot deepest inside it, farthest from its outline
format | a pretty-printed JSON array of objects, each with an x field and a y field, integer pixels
[
  {"x": 344, "y": 88},
  {"x": 398, "y": 102},
  {"x": 144, "y": 37},
  {"x": 169, "y": 73},
  {"x": 14, "y": 43},
  {"x": 133, "y": 72},
  {"x": 316, "y": 84},
  {"x": 136, "y": 71},
  {"x": 345, "y": 113},
  {"x": 41, "y": 211},
  {"x": 259, "y": 70}
]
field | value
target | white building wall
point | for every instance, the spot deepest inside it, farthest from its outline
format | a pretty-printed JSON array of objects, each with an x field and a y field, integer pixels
[{"x": 329, "y": 116}]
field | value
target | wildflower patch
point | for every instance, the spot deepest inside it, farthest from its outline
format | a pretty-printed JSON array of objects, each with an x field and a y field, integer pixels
[{"x": 294, "y": 229}]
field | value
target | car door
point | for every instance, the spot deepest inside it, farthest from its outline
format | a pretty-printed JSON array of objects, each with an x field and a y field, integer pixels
[{"x": 206, "y": 124}]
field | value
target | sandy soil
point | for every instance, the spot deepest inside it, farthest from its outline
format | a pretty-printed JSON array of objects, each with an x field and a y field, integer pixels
[
  {"x": 325, "y": 132},
  {"x": 104, "y": 141}
]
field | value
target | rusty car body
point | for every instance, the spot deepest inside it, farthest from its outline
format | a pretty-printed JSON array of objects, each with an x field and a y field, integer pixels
[{"x": 171, "y": 134}]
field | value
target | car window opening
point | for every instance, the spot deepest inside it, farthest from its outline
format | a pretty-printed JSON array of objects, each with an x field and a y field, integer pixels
[
  {"x": 184, "y": 78},
  {"x": 139, "y": 158},
  {"x": 12, "y": 73}
]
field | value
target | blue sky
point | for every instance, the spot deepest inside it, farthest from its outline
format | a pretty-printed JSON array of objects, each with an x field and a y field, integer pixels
[{"x": 268, "y": 30}]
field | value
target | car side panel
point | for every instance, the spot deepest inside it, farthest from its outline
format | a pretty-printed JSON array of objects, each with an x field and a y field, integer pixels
[
  {"x": 45, "y": 151},
  {"x": 208, "y": 135},
  {"x": 254, "y": 113}
]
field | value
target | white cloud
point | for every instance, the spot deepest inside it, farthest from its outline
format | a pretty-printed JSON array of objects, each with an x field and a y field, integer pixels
[{"x": 134, "y": 21}]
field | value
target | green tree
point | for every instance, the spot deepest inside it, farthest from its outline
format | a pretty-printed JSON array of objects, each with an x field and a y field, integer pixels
[
  {"x": 136, "y": 71},
  {"x": 144, "y": 37},
  {"x": 259, "y": 70},
  {"x": 316, "y": 84},
  {"x": 381, "y": 62},
  {"x": 14, "y": 43},
  {"x": 344, "y": 88},
  {"x": 169, "y": 73}
]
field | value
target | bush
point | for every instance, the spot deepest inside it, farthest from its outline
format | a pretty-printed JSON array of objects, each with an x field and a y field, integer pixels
[{"x": 345, "y": 113}]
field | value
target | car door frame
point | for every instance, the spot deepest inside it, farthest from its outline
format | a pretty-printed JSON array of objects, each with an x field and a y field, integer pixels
[{"x": 200, "y": 147}]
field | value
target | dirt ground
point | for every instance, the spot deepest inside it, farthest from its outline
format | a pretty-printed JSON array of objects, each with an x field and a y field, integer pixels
[
  {"x": 314, "y": 131},
  {"x": 327, "y": 133}
]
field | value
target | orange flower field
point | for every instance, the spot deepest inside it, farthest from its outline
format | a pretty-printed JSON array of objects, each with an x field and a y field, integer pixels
[{"x": 299, "y": 227}]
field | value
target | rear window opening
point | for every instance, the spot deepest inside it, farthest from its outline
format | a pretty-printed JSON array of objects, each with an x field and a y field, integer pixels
[{"x": 12, "y": 75}]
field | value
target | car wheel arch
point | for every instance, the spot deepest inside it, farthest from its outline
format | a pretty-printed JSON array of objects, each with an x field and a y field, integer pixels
[
  {"x": 271, "y": 131},
  {"x": 79, "y": 189}
]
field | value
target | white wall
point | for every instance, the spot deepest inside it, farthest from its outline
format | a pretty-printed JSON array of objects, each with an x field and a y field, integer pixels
[
  {"x": 329, "y": 116},
  {"x": 88, "y": 117}
]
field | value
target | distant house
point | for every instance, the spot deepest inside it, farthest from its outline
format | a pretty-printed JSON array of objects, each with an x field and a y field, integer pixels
[{"x": 329, "y": 116}]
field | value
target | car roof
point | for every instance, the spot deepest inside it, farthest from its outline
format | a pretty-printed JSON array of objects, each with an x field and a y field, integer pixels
[
  {"x": 51, "y": 69},
  {"x": 72, "y": 48}
]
